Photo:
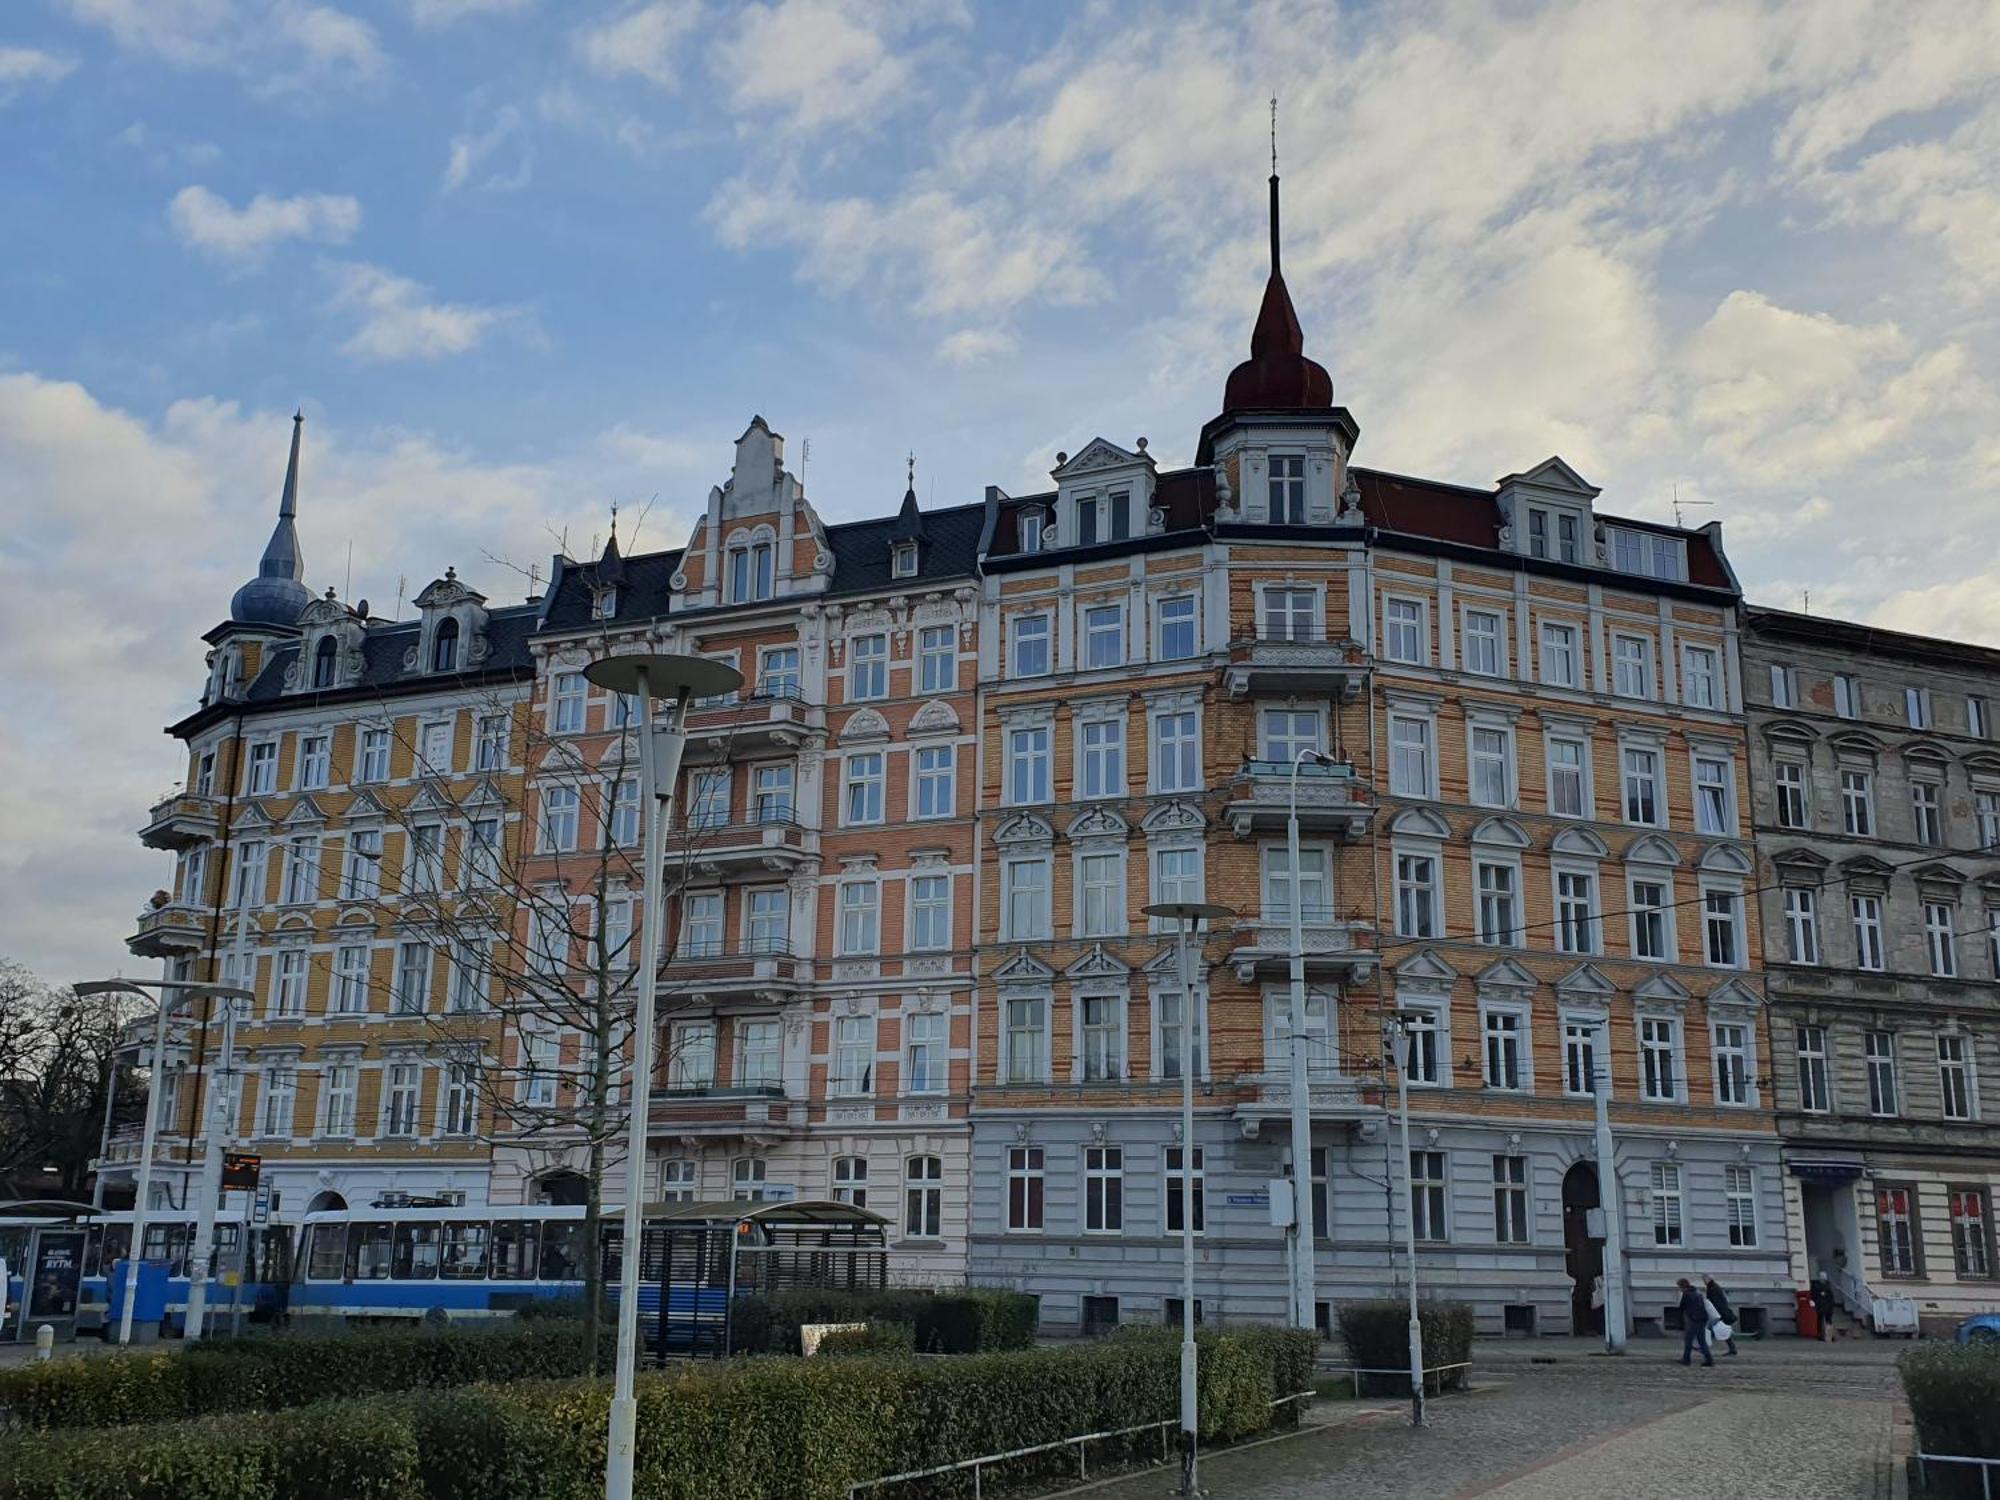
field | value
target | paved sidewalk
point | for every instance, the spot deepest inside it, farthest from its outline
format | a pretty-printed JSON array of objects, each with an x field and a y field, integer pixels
[{"x": 1498, "y": 1354}]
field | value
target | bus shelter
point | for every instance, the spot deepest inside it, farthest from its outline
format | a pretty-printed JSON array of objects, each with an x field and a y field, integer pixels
[{"x": 43, "y": 1243}]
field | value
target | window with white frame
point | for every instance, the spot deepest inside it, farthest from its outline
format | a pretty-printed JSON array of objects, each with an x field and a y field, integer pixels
[
  {"x": 1986, "y": 819},
  {"x": 361, "y": 872},
  {"x": 850, "y": 1180},
  {"x": 1103, "y": 1189},
  {"x": 1284, "y": 734},
  {"x": 1405, "y": 632},
  {"x": 1312, "y": 892},
  {"x": 1645, "y": 799},
  {"x": 1879, "y": 1055},
  {"x": 621, "y": 827},
  {"x": 767, "y": 919},
  {"x": 778, "y": 672},
  {"x": 1576, "y": 911},
  {"x": 426, "y": 858},
  {"x": 1954, "y": 1062},
  {"x": 926, "y": 1069},
  {"x": 302, "y": 870},
  {"x": 1784, "y": 687},
  {"x": 1103, "y": 635},
  {"x": 1652, "y": 918},
  {"x": 1490, "y": 765},
  {"x": 1028, "y": 779},
  {"x": 315, "y": 761},
  {"x": 1917, "y": 707},
  {"x": 1940, "y": 943},
  {"x": 1423, "y": 1032},
  {"x": 860, "y": 918},
  {"x": 1101, "y": 880},
  {"x": 410, "y": 991},
  {"x": 1033, "y": 519},
  {"x": 1701, "y": 677},
  {"x": 560, "y": 806},
  {"x": 1101, "y": 1022},
  {"x": 679, "y": 1179},
  {"x": 1412, "y": 767},
  {"x": 1815, "y": 1078},
  {"x": 1417, "y": 899},
  {"x": 1289, "y": 614},
  {"x": 1562, "y": 664},
  {"x": 1184, "y": 1190},
  {"x": 1928, "y": 818},
  {"x": 1029, "y": 653},
  {"x": 280, "y": 1091},
  {"x": 1632, "y": 666},
  {"x": 1722, "y": 926},
  {"x": 853, "y": 1056},
  {"x": 1177, "y": 1050},
  {"x": 1177, "y": 875},
  {"x": 1714, "y": 796},
  {"x": 1739, "y": 1204},
  {"x": 923, "y": 1197},
  {"x": 1802, "y": 924},
  {"x": 1499, "y": 887},
  {"x": 1867, "y": 914},
  {"x": 400, "y": 1084},
  {"x": 691, "y": 1055},
  {"x": 1667, "y": 1220},
  {"x": 930, "y": 913},
  {"x": 1788, "y": 777},
  {"x": 867, "y": 668},
  {"x": 1429, "y": 1194},
  {"x": 759, "y": 1054},
  {"x": 1569, "y": 771},
  {"x": 480, "y": 860},
  {"x": 701, "y": 924},
  {"x": 937, "y": 659},
  {"x": 472, "y": 963},
  {"x": 1322, "y": 1056},
  {"x": 1978, "y": 717},
  {"x": 341, "y": 1086},
  {"x": 1024, "y": 897},
  {"x": 748, "y": 1178},
  {"x": 288, "y": 984},
  {"x": 1485, "y": 643},
  {"x": 1580, "y": 1056},
  {"x": 250, "y": 857},
  {"x": 751, "y": 570},
  {"x": 1101, "y": 744},
  {"x": 350, "y": 979},
  {"x": 1847, "y": 695},
  {"x": 1510, "y": 1200},
  {"x": 1026, "y": 1182},
  {"x": 539, "y": 1052},
  {"x": 1896, "y": 1229},
  {"x": 263, "y": 769},
  {"x": 903, "y": 560},
  {"x": 1027, "y": 1039},
  {"x": 1732, "y": 1063},
  {"x": 1857, "y": 802},
  {"x": 568, "y": 690},
  {"x": 1286, "y": 489},
  {"x": 1505, "y": 1041},
  {"x": 1659, "y": 1049},
  {"x": 1176, "y": 750},
  {"x": 374, "y": 760},
  {"x": 861, "y": 802},
  {"x": 1176, "y": 627},
  {"x": 1971, "y": 1233},
  {"x": 772, "y": 792}
]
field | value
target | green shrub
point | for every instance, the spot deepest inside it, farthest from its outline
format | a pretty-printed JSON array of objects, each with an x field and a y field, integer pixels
[
  {"x": 1378, "y": 1338},
  {"x": 1954, "y": 1396},
  {"x": 972, "y": 1320},
  {"x": 871, "y": 1338}
]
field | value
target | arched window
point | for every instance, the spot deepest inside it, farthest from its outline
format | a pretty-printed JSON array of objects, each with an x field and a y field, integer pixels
[
  {"x": 923, "y": 1197},
  {"x": 324, "y": 662},
  {"x": 750, "y": 571},
  {"x": 850, "y": 1180},
  {"x": 444, "y": 647}
]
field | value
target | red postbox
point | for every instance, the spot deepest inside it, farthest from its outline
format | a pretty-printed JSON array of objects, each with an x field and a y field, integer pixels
[{"x": 1808, "y": 1315}]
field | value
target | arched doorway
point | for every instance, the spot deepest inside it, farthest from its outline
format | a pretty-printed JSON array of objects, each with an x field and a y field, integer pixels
[
  {"x": 1583, "y": 1256},
  {"x": 562, "y": 1189},
  {"x": 326, "y": 1202}
]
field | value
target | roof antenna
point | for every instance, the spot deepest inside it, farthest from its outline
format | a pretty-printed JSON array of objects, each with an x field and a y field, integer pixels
[
  {"x": 805, "y": 457},
  {"x": 1678, "y": 503},
  {"x": 347, "y": 585},
  {"x": 1806, "y": 594},
  {"x": 1274, "y": 184},
  {"x": 401, "y": 584}
]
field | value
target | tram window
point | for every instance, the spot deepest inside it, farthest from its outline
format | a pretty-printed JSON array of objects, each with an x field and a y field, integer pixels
[
  {"x": 612, "y": 1240},
  {"x": 93, "y": 1247},
  {"x": 326, "y": 1257},
  {"x": 464, "y": 1251},
  {"x": 416, "y": 1252},
  {"x": 117, "y": 1244},
  {"x": 368, "y": 1251},
  {"x": 168, "y": 1242},
  {"x": 514, "y": 1245},
  {"x": 562, "y": 1250}
]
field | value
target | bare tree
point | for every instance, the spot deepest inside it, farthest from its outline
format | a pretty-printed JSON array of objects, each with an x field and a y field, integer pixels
[{"x": 57, "y": 1054}]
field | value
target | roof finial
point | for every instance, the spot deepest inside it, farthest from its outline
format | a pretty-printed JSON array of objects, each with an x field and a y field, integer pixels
[
  {"x": 1274, "y": 135},
  {"x": 1274, "y": 184},
  {"x": 912, "y": 482},
  {"x": 288, "y": 504},
  {"x": 614, "y": 523}
]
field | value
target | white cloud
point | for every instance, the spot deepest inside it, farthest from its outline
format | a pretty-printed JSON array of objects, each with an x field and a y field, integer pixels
[
  {"x": 972, "y": 346},
  {"x": 470, "y": 151},
  {"x": 807, "y": 64},
  {"x": 21, "y": 67},
  {"x": 329, "y": 38},
  {"x": 277, "y": 46},
  {"x": 399, "y": 319},
  {"x": 446, "y": 12},
  {"x": 207, "y": 222},
  {"x": 643, "y": 41}
]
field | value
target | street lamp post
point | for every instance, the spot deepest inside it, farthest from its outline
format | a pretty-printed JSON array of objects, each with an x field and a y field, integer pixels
[
  {"x": 1608, "y": 1197},
  {"x": 660, "y": 747},
  {"x": 1399, "y": 1042},
  {"x": 1185, "y": 915},
  {"x": 1305, "y": 1295},
  {"x": 214, "y": 1138}
]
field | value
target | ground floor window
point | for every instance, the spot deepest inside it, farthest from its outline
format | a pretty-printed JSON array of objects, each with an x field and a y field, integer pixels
[
  {"x": 1896, "y": 1230},
  {"x": 1971, "y": 1235},
  {"x": 923, "y": 1197}
]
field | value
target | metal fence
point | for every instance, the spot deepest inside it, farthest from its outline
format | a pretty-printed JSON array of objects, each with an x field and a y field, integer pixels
[
  {"x": 1986, "y": 1466},
  {"x": 1355, "y": 1372}
]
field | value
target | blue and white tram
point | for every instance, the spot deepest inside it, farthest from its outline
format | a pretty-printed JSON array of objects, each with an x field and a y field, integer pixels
[{"x": 474, "y": 1263}]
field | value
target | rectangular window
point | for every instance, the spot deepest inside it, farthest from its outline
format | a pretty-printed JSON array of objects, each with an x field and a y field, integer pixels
[
  {"x": 1567, "y": 544},
  {"x": 1789, "y": 777},
  {"x": 374, "y": 764},
  {"x": 853, "y": 1056},
  {"x": 1175, "y": 621},
  {"x": 1857, "y": 803},
  {"x": 1643, "y": 800},
  {"x": 1411, "y": 769},
  {"x": 288, "y": 986},
  {"x": 350, "y": 979},
  {"x": 1025, "y": 1181},
  {"x": 1290, "y": 615},
  {"x": 1421, "y": 1029},
  {"x": 1986, "y": 816},
  {"x": 302, "y": 871},
  {"x": 1652, "y": 917},
  {"x": 1176, "y": 751},
  {"x": 280, "y": 1091},
  {"x": 412, "y": 988},
  {"x": 1315, "y": 903},
  {"x": 1929, "y": 821},
  {"x": 622, "y": 827},
  {"x": 1879, "y": 1048},
  {"x": 1632, "y": 666},
  {"x": 1416, "y": 895},
  {"x": 1701, "y": 680},
  {"x": 937, "y": 659},
  {"x": 1939, "y": 942},
  {"x": 568, "y": 689},
  {"x": 1102, "y": 878},
  {"x": 361, "y": 875},
  {"x": 435, "y": 748},
  {"x": 1714, "y": 797},
  {"x": 867, "y": 668},
  {"x": 923, "y": 1197},
  {"x": 1722, "y": 922},
  {"x": 1284, "y": 734},
  {"x": 1027, "y": 1039},
  {"x": 1971, "y": 1234},
  {"x": 1025, "y": 898},
  {"x": 1815, "y": 1081},
  {"x": 1846, "y": 695},
  {"x": 315, "y": 761},
  {"x": 1784, "y": 689},
  {"x": 1174, "y": 1042},
  {"x": 459, "y": 1114},
  {"x": 1867, "y": 912},
  {"x": 1177, "y": 875},
  {"x": 1029, "y": 656},
  {"x": 1103, "y": 750},
  {"x": 1028, "y": 779},
  {"x": 250, "y": 884},
  {"x": 1030, "y": 525},
  {"x": 1917, "y": 707},
  {"x": 426, "y": 853},
  {"x": 1560, "y": 664},
  {"x": 400, "y": 1086},
  {"x": 1538, "y": 533},
  {"x": 263, "y": 770},
  {"x": 778, "y": 672},
  {"x": 1405, "y": 638},
  {"x": 691, "y": 1055},
  {"x": 342, "y": 1080},
  {"x": 1732, "y": 1063},
  {"x": 1510, "y": 1200},
  {"x": 1499, "y": 898},
  {"x": 925, "y": 1066},
  {"x": 1667, "y": 1221},
  {"x": 1566, "y": 777},
  {"x": 1802, "y": 924},
  {"x": 1428, "y": 1192},
  {"x": 1485, "y": 642},
  {"x": 701, "y": 924},
  {"x": 1103, "y": 1025},
  {"x": 759, "y": 1054},
  {"x": 1103, "y": 1189},
  {"x": 491, "y": 751},
  {"x": 860, "y": 918},
  {"x": 1658, "y": 1080},
  {"x": 1896, "y": 1230},
  {"x": 1739, "y": 1199},
  {"x": 1184, "y": 1191},
  {"x": 538, "y": 1067},
  {"x": 1977, "y": 717},
  {"x": 559, "y": 819},
  {"x": 471, "y": 963},
  {"x": 1576, "y": 911},
  {"x": 771, "y": 789},
  {"x": 204, "y": 780},
  {"x": 862, "y": 802},
  {"x": 1954, "y": 1060},
  {"x": 1503, "y": 1049},
  {"x": 930, "y": 913},
  {"x": 1287, "y": 492},
  {"x": 768, "y": 928},
  {"x": 1491, "y": 762},
  {"x": 1580, "y": 1058},
  {"x": 1104, "y": 636}
]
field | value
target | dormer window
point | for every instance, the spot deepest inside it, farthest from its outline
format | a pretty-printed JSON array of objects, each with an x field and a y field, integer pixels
[
  {"x": 1031, "y": 529},
  {"x": 1647, "y": 552},
  {"x": 444, "y": 647},
  {"x": 1288, "y": 490},
  {"x": 604, "y": 604},
  {"x": 1566, "y": 528},
  {"x": 903, "y": 560},
  {"x": 750, "y": 571},
  {"x": 325, "y": 662},
  {"x": 1538, "y": 533}
]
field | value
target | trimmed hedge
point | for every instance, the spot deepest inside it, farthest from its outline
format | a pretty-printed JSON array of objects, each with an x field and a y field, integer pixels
[
  {"x": 1377, "y": 1335},
  {"x": 974, "y": 1320},
  {"x": 278, "y": 1371},
  {"x": 1954, "y": 1396},
  {"x": 871, "y": 1338},
  {"x": 793, "y": 1429}
]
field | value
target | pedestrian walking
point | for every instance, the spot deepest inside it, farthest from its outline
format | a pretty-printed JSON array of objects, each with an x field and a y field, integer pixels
[
  {"x": 1822, "y": 1300},
  {"x": 1724, "y": 1313},
  {"x": 1694, "y": 1324}
]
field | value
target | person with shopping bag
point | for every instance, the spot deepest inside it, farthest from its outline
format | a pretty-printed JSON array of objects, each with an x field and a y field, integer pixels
[
  {"x": 1694, "y": 1324},
  {"x": 1722, "y": 1320}
]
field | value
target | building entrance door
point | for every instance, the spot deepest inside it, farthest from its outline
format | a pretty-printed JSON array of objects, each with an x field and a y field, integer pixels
[{"x": 1583, "y": 1256}]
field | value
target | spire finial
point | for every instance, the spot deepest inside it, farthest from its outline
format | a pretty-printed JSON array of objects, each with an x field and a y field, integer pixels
[
  {"x": 1274, "y": 185},
  {"x": 614, "y": 523},
  {"x": 912, "y": 483},
  {"x": 288, "y": 503},
  {"x": 1274, "y": 135}
]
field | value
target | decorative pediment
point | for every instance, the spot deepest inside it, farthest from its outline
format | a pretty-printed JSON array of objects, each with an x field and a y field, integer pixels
[
  {"x": 1097, "y": 823},
  {"x": 1800, "y": 865},
  {"x": 1507, "y": 976},
  {"x": 1174, "y": 817},
  {"x": 1725, "y": 859},
  {"x": 1098, "y": 453},
  {"x": 430, "y": 800},
  {"x": 484, "y": 794},
  {"x": 445, "y": 592},
  {"x": 1983, "y": 763},
  {"x": 1163, "y": 968},
  {"x": 1097, "y": 964},
  {"x": 1652, "y": 850},
  {"x": 1419, "y": 823},
  {"x": 305, "y": 811},
  {"x": 865, "y": 725},
  {"x": 1425, "y": 967},
  {"x": 365, "y": 804},
  {"x": 1855, "y": 742},
  {"x": 934, "y": 716},
  {"x": 1661, "y": 989},
  {"x": 623, "y": 751},
  {"x": 1795, "y": 734},
  {"x": 1553, "y": 473},
  {"x": 1585, "y": 982},
  {"x": 1734, "y": 994},
  {"x": 253, "y": 817},
  {"x": 1927, "y": 752},
  {"x": 1502, "y": 831},
  {"x": 1024, "y": 968},
  {"x": 1581, "y": 842},
  {"x": 1024, "y": 828},
  {"x": 1937, "y": 872}
]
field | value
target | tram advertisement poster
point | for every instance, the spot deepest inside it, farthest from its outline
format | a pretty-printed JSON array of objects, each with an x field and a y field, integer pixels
[
  {"x": 241, "y": 1169},
  {"x": 58, "y": 1269}
]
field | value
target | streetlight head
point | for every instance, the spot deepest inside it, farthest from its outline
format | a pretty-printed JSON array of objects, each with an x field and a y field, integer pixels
[
  {"x": 91, "y": 988},
  {"x": 666, "y": 676},
  {"x": 1190, "y": 911}
]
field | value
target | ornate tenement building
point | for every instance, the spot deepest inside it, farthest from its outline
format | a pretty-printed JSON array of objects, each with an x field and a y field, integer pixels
[
  {"x": 1878, "y": 829},
  {"x": 347, "y": 781}
]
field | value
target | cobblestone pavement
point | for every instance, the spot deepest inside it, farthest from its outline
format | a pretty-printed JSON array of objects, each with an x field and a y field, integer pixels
[{"x": 1637, "y": 1427}]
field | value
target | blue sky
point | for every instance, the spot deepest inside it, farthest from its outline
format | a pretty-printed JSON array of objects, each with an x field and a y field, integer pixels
[{"x": 521, "y": 260}]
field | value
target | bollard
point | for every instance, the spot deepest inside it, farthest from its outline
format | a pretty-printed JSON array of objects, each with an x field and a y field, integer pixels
[{"x": 45, "y": 1341}]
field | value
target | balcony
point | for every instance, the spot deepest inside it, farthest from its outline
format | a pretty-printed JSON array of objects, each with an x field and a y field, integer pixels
[
  {"x": 122, "y": 1152},
  {"x": 1332, "y": 800},
  {"x": 180, "y": 819},
  {"x": 1302, "y": 659},
  {"x": 1335, "y": 948},
  {"x": 1331, "y": 1095},
  {"x": 169, "y": 930},
  {"x": 762, "y": 846},
  {"x": 760, "y": 972},
  {"x": 759, "y": 723},
  {"x": 759, "y": 1113}
]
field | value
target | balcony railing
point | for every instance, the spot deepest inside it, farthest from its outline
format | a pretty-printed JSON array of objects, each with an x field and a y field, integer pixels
[
  {"x": 1328, "y": 1090},
  {"x": 168, "y": 930},
  {"x": 1289, "y": 656},
  {"x": 1331, "y": 799},
  {"x": 1331, "y": 943},
  {"x": 722, "y": 1110},
  {"x": 179, "y": 819},
  {"x": 775, "y": 715},
  {"x": 768, "y": 840}
]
